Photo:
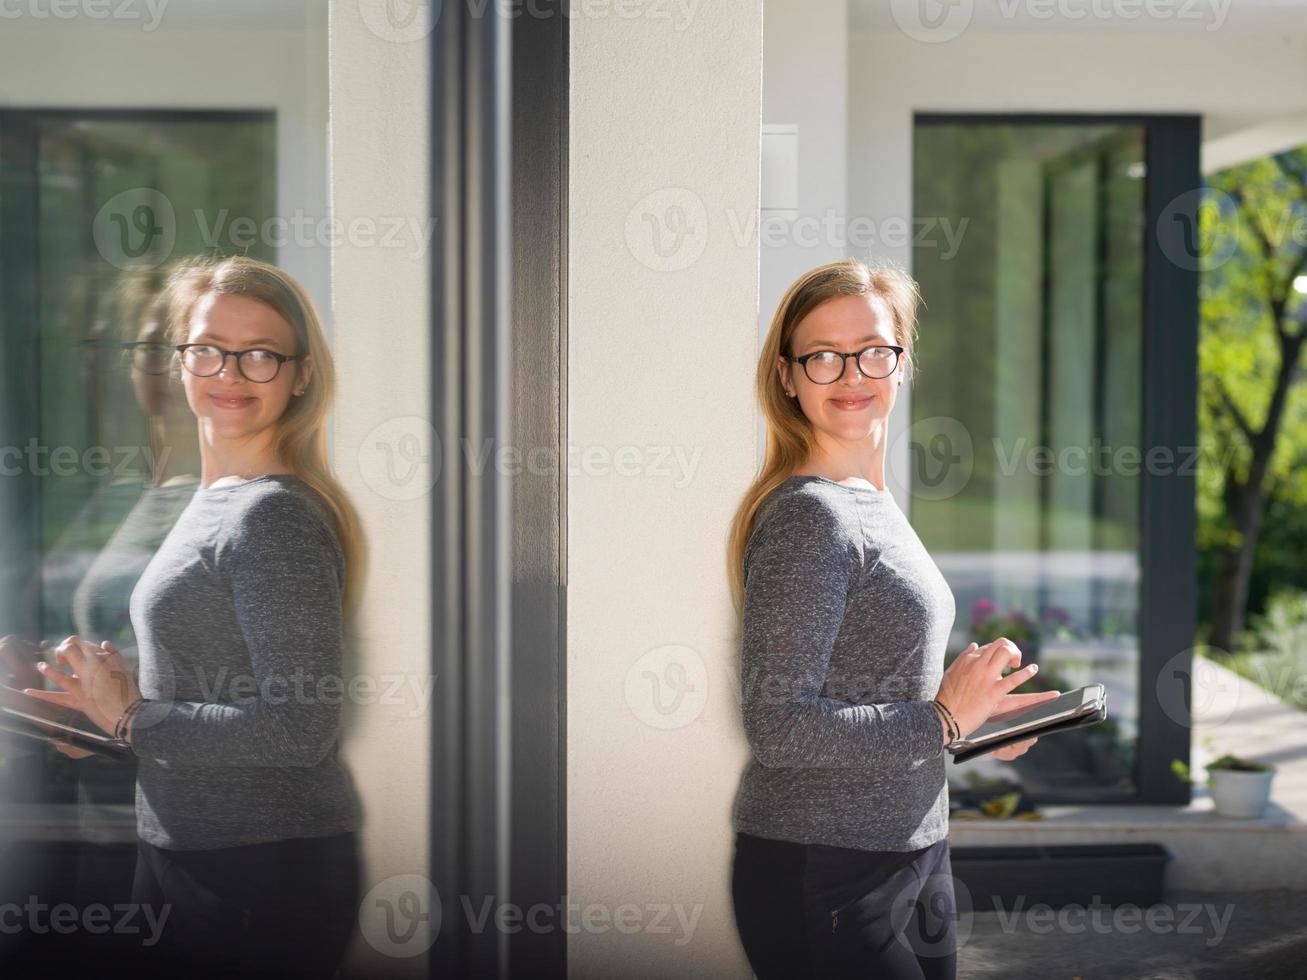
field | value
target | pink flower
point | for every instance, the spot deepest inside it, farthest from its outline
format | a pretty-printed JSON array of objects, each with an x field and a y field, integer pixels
[{"x": 1056, "y": 614}]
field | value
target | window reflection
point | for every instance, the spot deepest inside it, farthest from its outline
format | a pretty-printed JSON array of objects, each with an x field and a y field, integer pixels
[
  {"x": 108, "y": 453},
  {"x": 1026, "y": 415}
]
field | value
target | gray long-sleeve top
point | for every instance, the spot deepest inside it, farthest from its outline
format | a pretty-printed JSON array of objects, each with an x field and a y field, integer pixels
[
  {"x": 238, "y": 625},
  {"x": 846, "y": 617}
]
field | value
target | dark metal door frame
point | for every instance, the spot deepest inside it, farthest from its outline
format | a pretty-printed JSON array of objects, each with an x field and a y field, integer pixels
[{"x": 499, "y": 143}]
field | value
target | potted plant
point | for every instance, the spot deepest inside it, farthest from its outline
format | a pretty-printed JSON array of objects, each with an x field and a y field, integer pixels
[{"x": 1240, "y": 787}]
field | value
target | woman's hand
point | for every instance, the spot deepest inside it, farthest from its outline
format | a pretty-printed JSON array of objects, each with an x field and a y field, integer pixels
[
  {"x": 1009, "y": 752},
  {"x": 72, "y": 751},
  {"x": 101, "y": 684},
  {"x": 1014, "y": 704},
  {"x": 974, "y": 686}
]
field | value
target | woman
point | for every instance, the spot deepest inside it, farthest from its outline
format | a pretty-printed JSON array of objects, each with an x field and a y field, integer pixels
[
  {"x": 841, "y": 865},
  {"x": 246, "y": 818}
]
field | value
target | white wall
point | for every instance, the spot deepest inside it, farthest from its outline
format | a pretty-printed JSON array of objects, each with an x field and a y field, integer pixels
[
  {"x": 806, "y": 82},
  {"x": 381, "y": 303},
  {"x": 669, "y": 109}
]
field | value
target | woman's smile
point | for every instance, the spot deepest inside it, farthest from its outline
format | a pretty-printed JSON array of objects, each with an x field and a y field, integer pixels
[
  {"x": 231, "y": 403},
  {"x": 851, "y": 403}
]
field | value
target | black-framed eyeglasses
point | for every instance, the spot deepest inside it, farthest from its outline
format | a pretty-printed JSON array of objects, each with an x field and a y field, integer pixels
[
  {"x": 256, "y": 364},
  {"x": 148, "y": 356},
  {"x": 825, "y": 367}
]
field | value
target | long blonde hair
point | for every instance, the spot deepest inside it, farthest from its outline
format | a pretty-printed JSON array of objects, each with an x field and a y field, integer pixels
[
  {"x": 301, "y": 433},
  {"x": 790, "y": 438}
]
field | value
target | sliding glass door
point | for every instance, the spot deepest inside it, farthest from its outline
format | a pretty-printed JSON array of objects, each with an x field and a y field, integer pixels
[{"x": 1034, "y": 343}]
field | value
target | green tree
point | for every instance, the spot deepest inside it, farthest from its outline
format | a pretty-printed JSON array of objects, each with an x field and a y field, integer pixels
[{"x": 1254, "y": 324}]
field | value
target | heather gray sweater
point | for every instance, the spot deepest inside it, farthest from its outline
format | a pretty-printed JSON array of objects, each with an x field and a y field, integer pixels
[
  {"x": 845, "y": 622},
  {"x": 238, "y": 625}
]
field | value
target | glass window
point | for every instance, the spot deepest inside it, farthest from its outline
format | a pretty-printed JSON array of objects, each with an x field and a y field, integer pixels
[
  {"x": 1030, "y": 352},
  {"x": 96, "y": 207}
]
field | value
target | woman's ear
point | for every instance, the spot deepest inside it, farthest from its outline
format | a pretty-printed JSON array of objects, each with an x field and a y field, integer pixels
[{"x": 783, "y": 370}]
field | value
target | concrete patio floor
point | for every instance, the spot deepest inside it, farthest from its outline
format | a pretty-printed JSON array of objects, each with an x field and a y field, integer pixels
[
  {"x": 1235, "y": 901},
  {"x": 1202, "y": 935}
]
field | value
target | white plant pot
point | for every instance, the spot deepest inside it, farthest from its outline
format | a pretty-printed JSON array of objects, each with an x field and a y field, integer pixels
[{"x": 1240, "y": 794}]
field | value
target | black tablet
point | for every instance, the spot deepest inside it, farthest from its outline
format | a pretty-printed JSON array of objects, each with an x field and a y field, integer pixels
[{"x": 1074, "y": 709}]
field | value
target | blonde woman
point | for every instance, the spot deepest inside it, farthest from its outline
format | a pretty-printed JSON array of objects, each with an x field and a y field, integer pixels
[
  {"x": 841, "y": 865},
  {"x": 246, "y": 817}
]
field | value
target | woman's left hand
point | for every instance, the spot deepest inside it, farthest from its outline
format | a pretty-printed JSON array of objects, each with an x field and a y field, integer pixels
[
  {"x": 1009, "y": 752},
  {"x": 101, "y": 683},
  {"x": 1013, "y": 704}
]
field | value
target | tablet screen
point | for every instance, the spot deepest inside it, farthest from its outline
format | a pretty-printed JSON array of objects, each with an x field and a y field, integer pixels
[{"x": 1055, "y": 710}]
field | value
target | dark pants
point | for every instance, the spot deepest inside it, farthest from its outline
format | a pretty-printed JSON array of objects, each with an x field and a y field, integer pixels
[
  {"x": 813, "y": 910},
  {"x": 281, "y": 909}
]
